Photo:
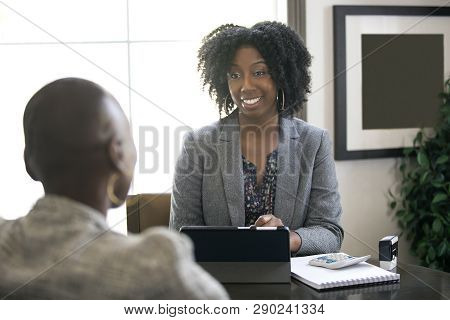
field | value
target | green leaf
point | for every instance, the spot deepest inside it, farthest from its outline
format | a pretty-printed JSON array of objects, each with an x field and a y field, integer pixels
[
  {"x": 424, "y": 177},
  {"x": 422, "y": 159},
  {"x": 436, "y": 184},
  {"x": 442, "y": 248},
  {"x": 439, "y": 197},
  {"x": 409, "y": 217},
  {"x": 426, "y": 229},
  {"x": 418, "y": 138},
  {"x": 440, "y": 177},
  {"x": 392, "y": 204},
  {"x": 400, "y": 213},
  {"x": 435, "y": 208},
  {"x": 442, "y": 159},
  {"x": 437, "y": 226},
  {"x": 431, "y": 253},
  {"x": 422, "y": 249},
  {"x": 422, "y": 213},
  {"x": 407, "y": 152}
]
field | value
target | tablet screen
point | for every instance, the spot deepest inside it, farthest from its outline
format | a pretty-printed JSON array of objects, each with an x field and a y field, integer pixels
[{"x": 231, "y": 244}]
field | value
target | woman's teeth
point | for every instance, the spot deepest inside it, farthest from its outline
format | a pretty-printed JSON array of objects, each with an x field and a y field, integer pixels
[{"x": 251, "y": 101}]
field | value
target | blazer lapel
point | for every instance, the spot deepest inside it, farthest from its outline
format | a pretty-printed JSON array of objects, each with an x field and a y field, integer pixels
[
  {"x": 230, "y": 158},
  {"x": 289, "y": 156}
]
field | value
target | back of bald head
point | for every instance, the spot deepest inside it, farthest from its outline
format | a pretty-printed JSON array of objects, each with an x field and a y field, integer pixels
[{"x": 67, "y": 126}]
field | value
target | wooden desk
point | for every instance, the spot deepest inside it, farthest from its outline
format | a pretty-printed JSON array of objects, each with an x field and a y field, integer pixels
[{"x": 416, "y": 283}]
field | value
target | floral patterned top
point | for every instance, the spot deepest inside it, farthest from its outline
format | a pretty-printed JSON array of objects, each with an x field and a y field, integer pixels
[{"x": 259, "y": 199}]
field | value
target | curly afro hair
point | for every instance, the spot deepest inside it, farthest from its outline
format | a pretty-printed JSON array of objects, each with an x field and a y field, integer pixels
[{"x": 283, "y": 50}]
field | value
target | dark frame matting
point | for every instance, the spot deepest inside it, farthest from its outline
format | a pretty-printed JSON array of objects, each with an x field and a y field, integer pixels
[{"x": 340, "y": 83}]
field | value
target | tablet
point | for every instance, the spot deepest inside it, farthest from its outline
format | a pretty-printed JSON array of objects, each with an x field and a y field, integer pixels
[{"x": 242, "y": 254}]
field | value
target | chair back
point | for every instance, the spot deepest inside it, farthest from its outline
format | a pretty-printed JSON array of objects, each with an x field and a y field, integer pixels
[{"x": 147, "y": 210}]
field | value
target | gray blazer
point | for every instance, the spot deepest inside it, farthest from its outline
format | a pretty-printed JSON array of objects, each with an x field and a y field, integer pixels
[{"x": 208, "y": 184}]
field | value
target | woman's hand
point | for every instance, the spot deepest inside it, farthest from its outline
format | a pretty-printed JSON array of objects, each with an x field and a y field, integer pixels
[{"x": 269, "y": 220}]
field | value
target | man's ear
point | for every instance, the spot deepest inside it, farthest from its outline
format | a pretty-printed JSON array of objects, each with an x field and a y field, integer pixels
[
  {"x": 116, "y": 154},
  {"x": 28, "y": 165}
]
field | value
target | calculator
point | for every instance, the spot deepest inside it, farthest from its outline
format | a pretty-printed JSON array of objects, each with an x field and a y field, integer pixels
[{"x": 337, "y": 260}]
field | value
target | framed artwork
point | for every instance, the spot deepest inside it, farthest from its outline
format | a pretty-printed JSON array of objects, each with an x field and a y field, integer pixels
[{"x": 390, "y": 64}]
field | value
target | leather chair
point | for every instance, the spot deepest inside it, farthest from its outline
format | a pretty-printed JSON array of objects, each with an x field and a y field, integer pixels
[{"x": 147, "y": 210}]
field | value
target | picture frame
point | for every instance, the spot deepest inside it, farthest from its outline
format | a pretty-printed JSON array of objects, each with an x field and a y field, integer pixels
[{"x": 353, "y": 23}]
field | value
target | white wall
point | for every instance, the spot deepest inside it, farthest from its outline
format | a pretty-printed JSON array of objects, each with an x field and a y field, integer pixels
[{"x": 363, "y": 184}]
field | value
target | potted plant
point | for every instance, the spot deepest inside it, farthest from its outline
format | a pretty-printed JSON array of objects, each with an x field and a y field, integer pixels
[{"x": 423, "y": 204}]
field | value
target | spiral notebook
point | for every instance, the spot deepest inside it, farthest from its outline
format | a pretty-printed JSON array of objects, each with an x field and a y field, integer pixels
[{"x": 321, "y": 278}]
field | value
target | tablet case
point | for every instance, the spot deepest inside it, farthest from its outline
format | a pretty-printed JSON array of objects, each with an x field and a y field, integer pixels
[{"x": 242, "y": 255}]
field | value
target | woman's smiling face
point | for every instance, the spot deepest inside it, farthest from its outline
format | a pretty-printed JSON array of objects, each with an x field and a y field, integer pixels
[{"x": 251, "y": 85}]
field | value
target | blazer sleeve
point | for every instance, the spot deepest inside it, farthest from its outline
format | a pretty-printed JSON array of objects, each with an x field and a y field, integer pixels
[
  {"x": 322, "y": 232},
  {"x": 186, "y": 200}
]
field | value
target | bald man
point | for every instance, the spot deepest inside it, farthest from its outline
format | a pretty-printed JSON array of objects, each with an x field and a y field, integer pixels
[{"x": 78, "y": 144}]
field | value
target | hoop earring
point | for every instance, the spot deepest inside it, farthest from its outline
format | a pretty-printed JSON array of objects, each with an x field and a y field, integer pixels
[
  {"x": 110, "y": 190},
  {"x": 282, "y": 107},
  {"x": 227, "y": 102}
]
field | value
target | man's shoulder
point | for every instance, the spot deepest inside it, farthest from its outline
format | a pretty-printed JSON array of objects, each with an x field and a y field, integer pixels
[
  {"x": 7, "y": 227},
  {"x": 151, "y": 260},
  {"x": 158, "y": 243},
  {"x": 2, "y": 222},
  {"x": 160, "y": 264}
]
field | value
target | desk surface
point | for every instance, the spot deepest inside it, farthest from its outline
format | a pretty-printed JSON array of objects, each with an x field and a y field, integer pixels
[{"x": 416, "y": 283}]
